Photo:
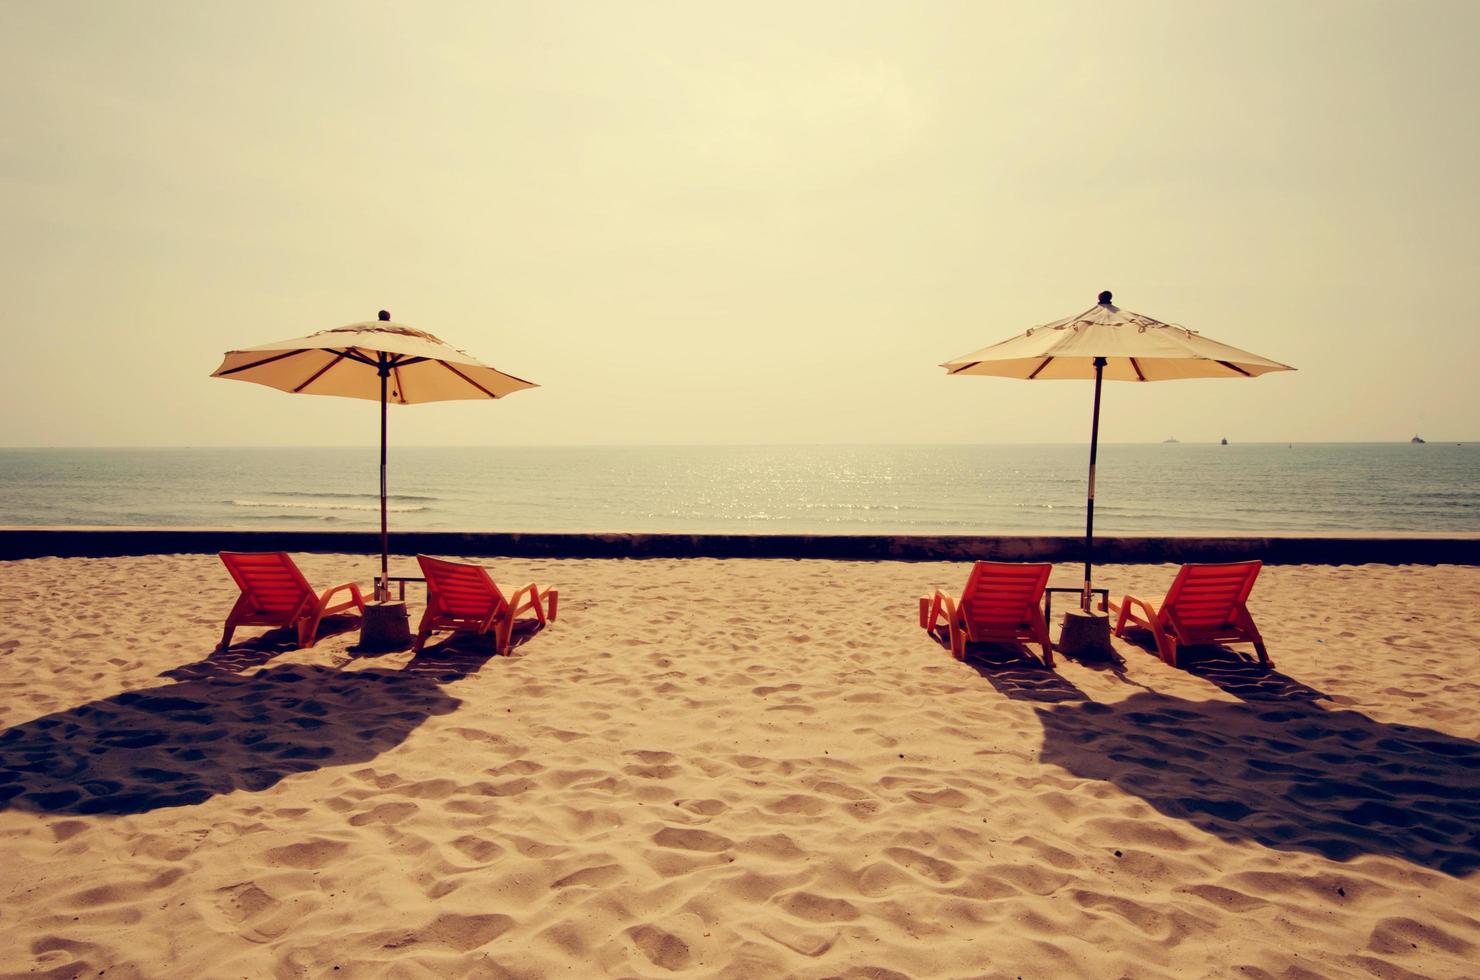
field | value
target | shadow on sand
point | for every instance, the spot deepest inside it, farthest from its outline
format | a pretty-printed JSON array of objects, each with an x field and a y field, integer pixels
[
  {"x": 1290, "y": 776},
  {"x": 218, "y": 729},
  {"x": 1239, "y": 673},
  {"x": 1015, "y": 670},
  {"x": 1019, "y": 675}
]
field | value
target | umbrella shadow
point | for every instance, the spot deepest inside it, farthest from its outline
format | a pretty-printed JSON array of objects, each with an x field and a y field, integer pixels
[
  {"x": 1015, "y": 671},
  {"x": 218, "y": 732},
  {"x": 1291, "y": 777}
]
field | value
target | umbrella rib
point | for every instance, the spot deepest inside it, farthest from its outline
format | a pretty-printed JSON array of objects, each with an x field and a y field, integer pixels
[
  {"x": 467, "y": 379},
  {"x": 265, "y": 360},
  {"x": 1137, "y": 367},
  {"x": 1040, "y": 367},
  {"x": 964, "y": 367},
  {"x": 1235, "y": 367},
  {"x": 400, "y": 388},
  {"x": 318, "y": 374},
  {"x": 353, "y": 353}
]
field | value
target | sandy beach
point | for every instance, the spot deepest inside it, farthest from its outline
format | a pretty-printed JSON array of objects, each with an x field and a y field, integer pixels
[{"x": 733, "y": 768}]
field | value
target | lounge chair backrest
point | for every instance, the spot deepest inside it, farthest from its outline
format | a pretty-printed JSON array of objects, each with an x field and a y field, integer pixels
[
  {"x": 1003, "y": 593},
  {"x": 270, "y": 580},
  {"x": 1204, "y": 596},
  {"x": 461, "y": 590}
]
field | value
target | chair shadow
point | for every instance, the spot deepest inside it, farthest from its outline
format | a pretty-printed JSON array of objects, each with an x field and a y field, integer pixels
[
  {"x": 1240, "y": 674},
  {"x": 1015, "y": 671},
  {"x": 459, "y": 655},
  {"x": 1291, "y": 777},
  {"x": 244, "y": 655}
]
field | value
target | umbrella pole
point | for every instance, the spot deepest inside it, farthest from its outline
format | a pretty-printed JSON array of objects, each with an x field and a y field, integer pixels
[
  {"x": 382, "y": 584},
  {"x": 1089, "y": 521}
]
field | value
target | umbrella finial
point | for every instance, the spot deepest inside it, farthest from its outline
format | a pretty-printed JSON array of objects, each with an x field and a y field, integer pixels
[
  {"x": 385, "y": 315},
  {"x": 1105, "y": 298}
]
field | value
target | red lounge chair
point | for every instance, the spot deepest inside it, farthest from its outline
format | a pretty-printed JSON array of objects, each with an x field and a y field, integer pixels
[
  {"x": 1206, "y": 604},
  {"x": 1000, "y": 605},
  {"x": 464, "y": 599},
  {"x": 275, "y": 593}
]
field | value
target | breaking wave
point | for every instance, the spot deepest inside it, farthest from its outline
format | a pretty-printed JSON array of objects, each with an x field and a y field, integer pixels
[{"x": 375, "y": 507}]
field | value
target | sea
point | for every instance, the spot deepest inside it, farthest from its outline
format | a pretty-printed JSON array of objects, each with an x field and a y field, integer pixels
[{"x": 1275, "y": 488}]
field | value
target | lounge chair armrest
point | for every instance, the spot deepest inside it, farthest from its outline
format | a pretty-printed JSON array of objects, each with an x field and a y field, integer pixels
[
  {"x": 1131, "y": 602},
  {"x": 942, "y": 603},
  {"x": 356, "y": 597},
  {"x": 533, "y": 591}
]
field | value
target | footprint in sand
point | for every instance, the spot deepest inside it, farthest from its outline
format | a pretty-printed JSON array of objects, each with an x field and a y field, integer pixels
[
  {"x": 252, "y": 913},
  {"x": 841, "y": 790},
  {"x": 801, "y": 941},
  {"x": 385, "y": 813},
  {"x": 563, "y": 735},
  {"x": 313, "y": 853},
  {"x": 923, "y": 864},
  {"x": 944, "y": 797},
  {"x": 511, "y": 787},
  {"x": 662, "y": 949},
  {"x": 463, "y": 933},
  {"x": 819, "y": 908},
  {"x": 519, "y": 767},
  {"x": 691, "y": 839},
  {"x": 478, "y": 848},
  {"x": 652, "y": 772},
  {"x": 652, "y": 757},
  {"x": 595, "y": 877},
  {"x": 797, "y": 803}
]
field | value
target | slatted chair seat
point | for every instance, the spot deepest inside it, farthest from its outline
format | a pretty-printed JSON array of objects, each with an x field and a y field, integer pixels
[
  {"x": 275, "y": 593},
  {"x": 1002, "y": 603},
  {"x": 464, "y": 598},
  {"x": 1206, "y": 604}
]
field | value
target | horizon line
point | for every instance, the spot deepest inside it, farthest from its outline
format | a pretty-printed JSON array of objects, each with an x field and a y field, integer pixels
[{"x": 744, "y": 445}]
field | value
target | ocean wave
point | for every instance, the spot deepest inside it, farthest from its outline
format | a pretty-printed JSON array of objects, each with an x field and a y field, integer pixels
[
  {"x": 375, "y": 507},
  {"x": 344, "y": 496}
]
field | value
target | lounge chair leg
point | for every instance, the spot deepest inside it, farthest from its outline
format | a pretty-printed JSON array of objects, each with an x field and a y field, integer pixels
[
  {"x": 421, "y": 639},
  {"x": 1169, "y": 654},
  {"x": 239, "y": 608},
  {"x": 924, "y": 613},
  {"x": 1048, "y": 654},
  {"x": 1263, "y": 653},
  {"x": 552, "y": 600}
]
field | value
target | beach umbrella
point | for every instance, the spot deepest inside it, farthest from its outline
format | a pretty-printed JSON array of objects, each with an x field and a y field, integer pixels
[
  {"x": 379, "y": 360},
  {"x": 1107, "y": 343}
]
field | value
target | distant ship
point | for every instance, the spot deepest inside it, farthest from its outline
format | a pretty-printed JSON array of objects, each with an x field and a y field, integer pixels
[
  {"x": 1170, "y": 440},
  {"x": 1223, "y": 441},
  {"x": 1416, "y": 441}
]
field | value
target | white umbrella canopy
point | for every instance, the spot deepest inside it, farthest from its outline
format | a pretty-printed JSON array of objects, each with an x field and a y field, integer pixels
[
  {"x": 1135, "y": 348},
  {"x": 1108, "y": 343},
  {"x": 346, "y": 362},
  {"x": 377, "y": 360}
]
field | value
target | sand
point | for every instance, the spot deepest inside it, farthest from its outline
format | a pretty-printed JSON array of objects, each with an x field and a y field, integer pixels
[{"x": 734, "y": 768}]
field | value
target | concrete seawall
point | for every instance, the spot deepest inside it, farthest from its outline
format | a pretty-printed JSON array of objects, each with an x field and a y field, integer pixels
[{"x": 99, "y": 542}]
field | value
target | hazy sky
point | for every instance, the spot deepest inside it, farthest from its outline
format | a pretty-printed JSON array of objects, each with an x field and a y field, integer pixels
[{"x": 744, "y": 222}]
